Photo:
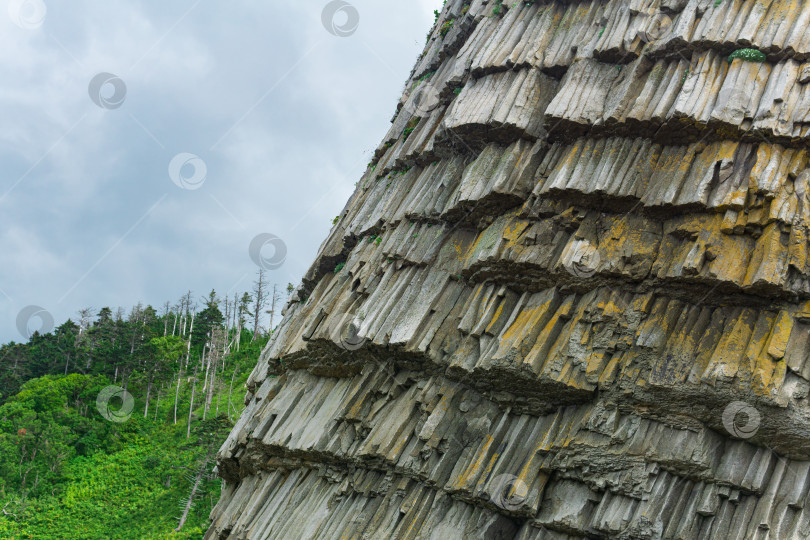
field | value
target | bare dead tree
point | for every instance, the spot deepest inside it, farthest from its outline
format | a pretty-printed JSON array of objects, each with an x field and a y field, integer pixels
[
  {"x": 215, "y": 356},
  {"x": 188, "y": 343},
  {"x": 6, "y": 512},
  {"x": 185, "y": 308},
  {"x": 259, "y": 301},
  {"x": 85, "y": 318},
  {"x": 191, "y": 404},
  {"x": 166, "y": 310},
  {"x": 208, "y": 439},
  {"x": 272, "y": 311},
  {"x": 177, "y": 392},
  {"x": 183, "y": 366},
  {"x": 229, "y": 393},
  {"x": 190, "y": 502},
  {"x": 227, "y": 323},
  {"x": 176, "y": 309},
  {"x": 203, "y": 365}
]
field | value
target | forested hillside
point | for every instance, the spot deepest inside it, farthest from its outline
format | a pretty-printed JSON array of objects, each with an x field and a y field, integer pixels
[{"x": 109, "y": 424}]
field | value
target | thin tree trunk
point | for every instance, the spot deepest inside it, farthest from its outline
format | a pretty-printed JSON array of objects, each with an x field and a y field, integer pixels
[
  {"x": 190, "y": 501},
  {"x": 227, "y": 324},
  {"x": 219, "y": 398},
  {"x": 177, "y": 394},
  {"x": 229, "y": 393},
  {"x": 191, "y": 405},
  {"x": 188, "y": 349},
  {"x": 210, "y": 394},
  {"x": 234, "y": 313},
  {"x": 166, "y": 318},
  {"x": 206, "y": 366},
  {"x": 259, "y": 303},
  {"x": 272, "y": 308},
  {"x": 148, "y": 391}
]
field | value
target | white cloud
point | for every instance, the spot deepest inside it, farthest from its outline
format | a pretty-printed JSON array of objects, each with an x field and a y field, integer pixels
[{"x": 301, "y": 128}]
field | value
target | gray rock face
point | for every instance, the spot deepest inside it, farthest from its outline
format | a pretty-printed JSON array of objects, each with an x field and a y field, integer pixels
[{"x": 575, "y": 298}]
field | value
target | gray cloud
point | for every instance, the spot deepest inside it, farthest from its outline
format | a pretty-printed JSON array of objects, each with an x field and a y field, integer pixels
[{"x": 284, "y": 114}]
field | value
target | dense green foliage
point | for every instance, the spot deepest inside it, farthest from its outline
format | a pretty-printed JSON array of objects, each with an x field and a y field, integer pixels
[
  {"x": 748, "y": 55},
  {"x": 69, "y": 471}
]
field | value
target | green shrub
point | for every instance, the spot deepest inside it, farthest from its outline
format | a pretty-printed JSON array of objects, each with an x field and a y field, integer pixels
[
  {"x": 446, "y": 27},
  {"x": 748, "y": 55}
]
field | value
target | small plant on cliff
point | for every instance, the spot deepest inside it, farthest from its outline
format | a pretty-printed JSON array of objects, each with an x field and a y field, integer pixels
[
  {"x": 748, "y": 55},
  {"x": 426, "y": 76},
  {"x": 498, "y": 9},
  {"x": 420, "y": 80},
  {"x": 446, "y": 27},
  {"x": 412, "y": 123},
  {"x": 339, "y": 267}
]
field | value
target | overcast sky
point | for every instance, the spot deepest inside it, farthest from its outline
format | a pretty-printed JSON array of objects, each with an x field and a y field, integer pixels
[{"x": 282, "y": 114}]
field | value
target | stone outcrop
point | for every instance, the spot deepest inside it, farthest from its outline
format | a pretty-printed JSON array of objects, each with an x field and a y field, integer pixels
[{"x": 569, "y": 298}]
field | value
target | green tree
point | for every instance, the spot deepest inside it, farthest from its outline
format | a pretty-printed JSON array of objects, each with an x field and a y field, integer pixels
[
  {"x": 209, "y": 317},
  {"x": 164, "y": 354}
]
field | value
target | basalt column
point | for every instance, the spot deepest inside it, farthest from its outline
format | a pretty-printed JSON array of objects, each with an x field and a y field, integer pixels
[{"x": 569, "y": 298}]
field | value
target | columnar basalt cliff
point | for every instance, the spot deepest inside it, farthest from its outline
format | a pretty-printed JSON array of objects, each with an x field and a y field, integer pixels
[{"x": 569, "y": 298}]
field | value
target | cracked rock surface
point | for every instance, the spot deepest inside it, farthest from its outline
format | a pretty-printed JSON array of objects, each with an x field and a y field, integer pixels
[{"x": 569, "y": 298}]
